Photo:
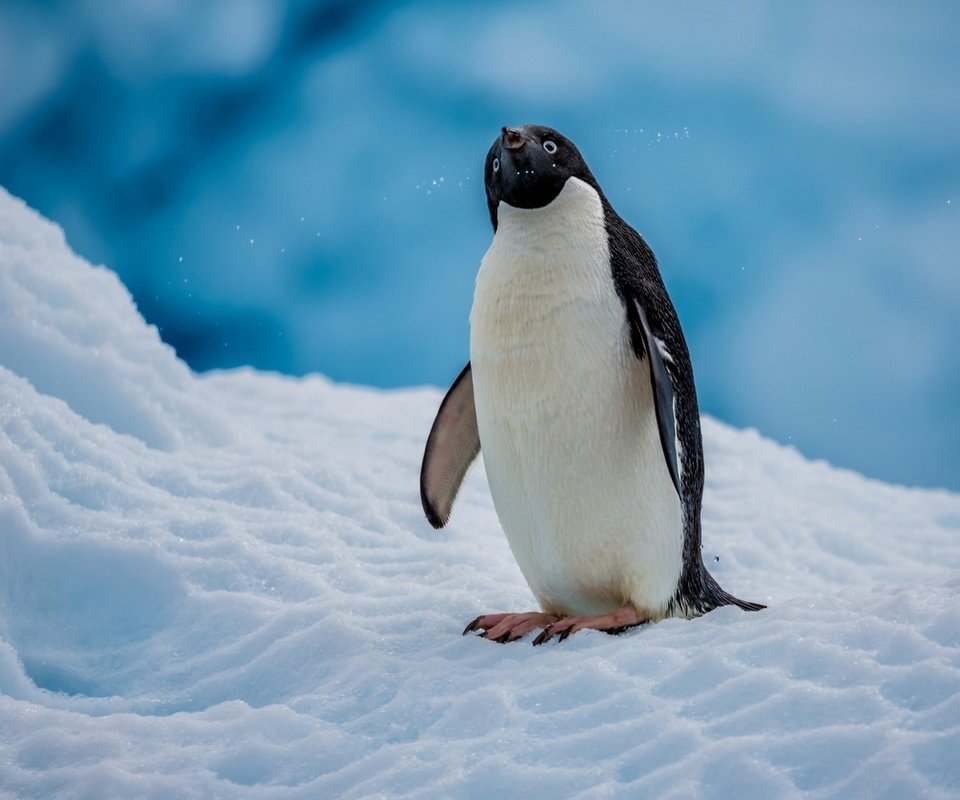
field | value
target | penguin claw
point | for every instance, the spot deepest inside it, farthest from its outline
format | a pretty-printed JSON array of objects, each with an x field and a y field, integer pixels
[
  {"x": 472, "y": 626},
  {"x": 544, "y": 636},
  {"x": 559, "y": 630}
]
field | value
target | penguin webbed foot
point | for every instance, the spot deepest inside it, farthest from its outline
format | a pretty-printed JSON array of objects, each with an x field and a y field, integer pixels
[
  {"x": 509, "y": 627},
  {"x": 613, "y": 623},
  {"x": 504, "y": 628}
]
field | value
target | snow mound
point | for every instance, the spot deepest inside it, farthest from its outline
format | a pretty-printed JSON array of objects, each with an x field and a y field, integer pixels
[
  {"x": 73, "y": 332},
  {"x": 223, "y": 586}
]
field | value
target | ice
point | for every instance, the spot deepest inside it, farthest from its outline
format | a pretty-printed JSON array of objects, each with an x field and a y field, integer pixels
[{"x": 223, "y": 586}]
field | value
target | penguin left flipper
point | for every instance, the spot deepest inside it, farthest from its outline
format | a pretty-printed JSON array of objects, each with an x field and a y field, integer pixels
[
  {"x": 452, "y": 446},
  {"x": 645, "y": 344}
]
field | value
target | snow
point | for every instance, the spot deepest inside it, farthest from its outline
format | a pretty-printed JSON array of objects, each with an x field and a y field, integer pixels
[{"x": 223, "y": 586}]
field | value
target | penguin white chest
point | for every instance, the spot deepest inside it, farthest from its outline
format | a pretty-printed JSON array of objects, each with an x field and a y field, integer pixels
[{"x": 566, "y": 417}]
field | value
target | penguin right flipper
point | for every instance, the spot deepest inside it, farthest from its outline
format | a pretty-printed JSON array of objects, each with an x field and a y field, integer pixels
[
  {"x": 452, "y": 446},
  {"x": 663, "y": 398}
]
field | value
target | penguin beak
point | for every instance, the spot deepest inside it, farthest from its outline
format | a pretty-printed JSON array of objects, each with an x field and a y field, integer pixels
[{"x": 512, "y": 138}]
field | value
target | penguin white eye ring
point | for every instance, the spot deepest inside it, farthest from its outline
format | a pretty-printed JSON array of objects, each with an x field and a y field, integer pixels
[{"x": 580, "y": 389}]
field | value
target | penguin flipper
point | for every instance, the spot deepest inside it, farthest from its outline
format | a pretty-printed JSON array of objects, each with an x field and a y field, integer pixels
[
  {"x": 663, "y": 398},
  {"x": 452, "y": 446}
]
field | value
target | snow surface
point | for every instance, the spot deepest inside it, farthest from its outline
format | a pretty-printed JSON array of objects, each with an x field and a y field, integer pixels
[{"x": 223, "y": 586}]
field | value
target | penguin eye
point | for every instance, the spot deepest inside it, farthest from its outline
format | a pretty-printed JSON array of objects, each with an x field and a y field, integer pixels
[
  {"x": 496, "y": 165},
  {"x": 550, "y": 147}
]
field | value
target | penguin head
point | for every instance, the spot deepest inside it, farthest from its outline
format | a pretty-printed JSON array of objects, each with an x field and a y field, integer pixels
[{"x": 528, "y": 166}]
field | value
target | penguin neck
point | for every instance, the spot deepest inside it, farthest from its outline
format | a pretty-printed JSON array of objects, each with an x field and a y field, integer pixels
[
  {"x": 576, "y": 211},
  {"x": 558, "y": 251}
]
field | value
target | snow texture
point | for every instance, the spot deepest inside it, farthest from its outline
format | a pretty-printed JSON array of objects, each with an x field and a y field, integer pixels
[{"x": 223, "y": 586}]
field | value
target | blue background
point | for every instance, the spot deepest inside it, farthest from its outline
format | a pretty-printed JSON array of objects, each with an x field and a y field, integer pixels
[{"x": 298, "y": 186}]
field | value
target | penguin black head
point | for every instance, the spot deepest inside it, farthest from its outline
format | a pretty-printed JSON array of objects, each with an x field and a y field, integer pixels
[{"x": 528, "y": 166}]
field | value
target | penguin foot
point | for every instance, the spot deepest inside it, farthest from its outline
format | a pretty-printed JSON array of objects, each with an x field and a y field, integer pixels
[
  {"x": 509, "y": 627},
  {"x": 615, "y": 622}
]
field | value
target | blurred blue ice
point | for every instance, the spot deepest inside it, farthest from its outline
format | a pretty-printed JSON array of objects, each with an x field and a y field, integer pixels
[{"x": 298, "y": 186}]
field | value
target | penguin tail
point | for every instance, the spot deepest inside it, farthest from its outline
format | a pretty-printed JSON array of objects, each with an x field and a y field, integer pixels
[
  {"x": 746, "y": 605},
  {"x": 718, "y": 597}
]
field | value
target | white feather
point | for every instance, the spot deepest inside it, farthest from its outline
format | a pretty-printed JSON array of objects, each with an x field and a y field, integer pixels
[
  {"x": 662, "y": 347},
  {"x": 566, "y": 417}
]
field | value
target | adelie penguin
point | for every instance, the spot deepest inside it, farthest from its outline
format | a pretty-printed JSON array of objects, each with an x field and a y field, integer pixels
[{"x": 579, "y": 390}]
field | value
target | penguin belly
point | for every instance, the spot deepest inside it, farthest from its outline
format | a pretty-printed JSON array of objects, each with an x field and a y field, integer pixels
[{"x": 566, "y": 416}]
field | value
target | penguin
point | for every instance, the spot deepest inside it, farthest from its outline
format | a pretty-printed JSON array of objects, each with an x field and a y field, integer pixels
[{"x": 580, "y": 392}]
